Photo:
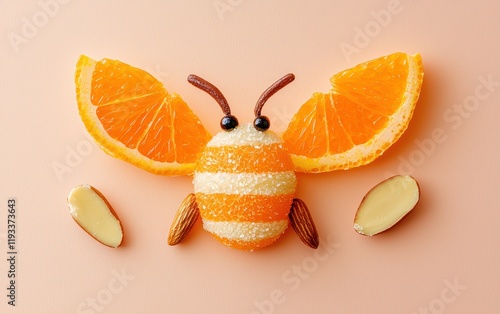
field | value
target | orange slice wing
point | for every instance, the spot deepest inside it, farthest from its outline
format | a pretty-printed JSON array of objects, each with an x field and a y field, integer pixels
[
  {"x": 132, "y": 117},
  {"x": 366, "y": 111}
]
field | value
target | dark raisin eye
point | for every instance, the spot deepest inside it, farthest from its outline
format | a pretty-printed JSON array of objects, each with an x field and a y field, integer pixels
[
  {"x": 261, "y": 123},
  {"x": 228, "y": 122}
]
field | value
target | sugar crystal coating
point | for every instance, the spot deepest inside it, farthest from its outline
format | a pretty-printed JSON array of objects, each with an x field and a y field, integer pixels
[
  {"x": 245, "y": 183},
  {"x": 246, "y": 231}
]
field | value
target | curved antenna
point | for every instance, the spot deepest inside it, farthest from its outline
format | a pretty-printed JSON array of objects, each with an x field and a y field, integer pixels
[
  {"x": 211, "y": 90},
  {"x": 271, "y": 90}
]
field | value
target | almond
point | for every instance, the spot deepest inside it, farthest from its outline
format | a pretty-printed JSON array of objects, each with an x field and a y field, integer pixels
[
  {"x": 302, "y": 223},
  {"x": 184, "y": 220},
  {"x": 386, "y": 204},
  {"x": 93, "y": 213}
]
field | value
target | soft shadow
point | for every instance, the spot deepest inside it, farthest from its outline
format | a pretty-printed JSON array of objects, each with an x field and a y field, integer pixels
[{"x": 425, "y": 111}]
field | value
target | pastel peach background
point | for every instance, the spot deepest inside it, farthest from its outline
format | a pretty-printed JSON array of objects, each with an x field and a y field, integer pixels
[{"x": 444, "y": 258}]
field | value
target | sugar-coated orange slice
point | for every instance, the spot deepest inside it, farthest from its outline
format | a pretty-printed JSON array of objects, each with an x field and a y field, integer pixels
[
  {"x": 132, "y": 117},
  {"x": 366, "y": 111}
]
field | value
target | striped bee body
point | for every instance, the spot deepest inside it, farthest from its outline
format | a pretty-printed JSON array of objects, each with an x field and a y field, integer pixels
[
  {"x": 244, "y": 186},
  {"x": 244, "y": 183}
]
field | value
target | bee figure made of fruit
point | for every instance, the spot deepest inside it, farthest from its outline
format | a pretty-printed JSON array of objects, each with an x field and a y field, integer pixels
[
  {"x": 244, "y": 177},
  {"x": 244, "y": 183}
]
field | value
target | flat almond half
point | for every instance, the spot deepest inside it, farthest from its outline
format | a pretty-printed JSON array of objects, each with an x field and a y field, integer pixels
[
  {"x": 386, "y": 204},
  {"x": 93, "y": 213}
]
